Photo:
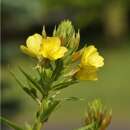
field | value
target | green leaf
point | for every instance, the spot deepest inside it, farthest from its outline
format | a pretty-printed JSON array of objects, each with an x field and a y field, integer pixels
[
  {"x": 58, "y": 69},
  {"x": 35, "y": 83},
  {"x": 10, "y": 124},
  {"x": 63, "y": 85},
  {"x": 45, "y": 78},
  {"x": 68, "y": 57},
  {"x": 20, "y": 84},
  {"x": 72, "y": 99},
  {"x": 30, "y": 91}
]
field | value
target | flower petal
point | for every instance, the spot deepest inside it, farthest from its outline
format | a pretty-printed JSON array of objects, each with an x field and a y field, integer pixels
[
  {"x": 34, "y": 43},
  {"x": 60, "y": 53},
  {"x": 51, "y": 48},
  {"x": 86, "y": 53},
  {"x": 96, "y": 60},
  {"x": 50, "y": 45},
  {"x": 27, "y": 51}
]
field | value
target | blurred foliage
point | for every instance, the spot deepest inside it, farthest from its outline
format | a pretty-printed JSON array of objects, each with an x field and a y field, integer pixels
[
  {"x": 24, "y": 13},
  {"x": 82, "y": 12}
]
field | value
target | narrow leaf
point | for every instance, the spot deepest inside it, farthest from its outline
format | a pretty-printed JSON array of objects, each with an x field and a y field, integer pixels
[
  {"x": 20, "y": 84},
  {"x": 72, "y": 99},
  {"x": 63, "y": 85},
  {"x": 36, "y": 84},
  {"x": 68, "y": 57},
  {"x": 31, "y": 92},
  {"x": 10, "y": 124},
  {"x": 58, "y": 69}
]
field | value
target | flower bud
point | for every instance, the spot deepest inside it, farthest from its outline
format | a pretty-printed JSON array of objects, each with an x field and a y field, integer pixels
[
  {"x": 65, "y": 31},
  {"x": 98, "y": 114},
  {"x": 106, "y": 121}
]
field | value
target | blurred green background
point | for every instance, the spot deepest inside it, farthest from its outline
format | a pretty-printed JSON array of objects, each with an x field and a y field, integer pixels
[{"x": 104, "y": 23}]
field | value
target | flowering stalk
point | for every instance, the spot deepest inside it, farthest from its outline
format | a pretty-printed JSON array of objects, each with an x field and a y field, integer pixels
[{"x": 59, "y": 65}]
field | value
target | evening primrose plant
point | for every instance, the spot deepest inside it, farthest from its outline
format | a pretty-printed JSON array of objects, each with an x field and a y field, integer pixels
[{"x": 59, "y": 64}]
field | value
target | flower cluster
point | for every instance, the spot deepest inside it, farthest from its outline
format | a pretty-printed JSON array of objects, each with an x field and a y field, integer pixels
[
  {"x": 64, "y": 45},
  {"x": 49, "y": 47},
  {"x": 60, "y": 63}
]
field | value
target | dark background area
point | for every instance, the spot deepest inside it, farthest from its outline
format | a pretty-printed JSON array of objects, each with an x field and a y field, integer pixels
[{"x": 104, "y": 23}]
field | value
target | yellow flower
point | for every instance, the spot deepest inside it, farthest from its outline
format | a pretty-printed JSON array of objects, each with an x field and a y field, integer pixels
[
  {"x": 90, "y": 62},
  {"x": 91, "y": 57},
  {"x": 51, "y": 48},
  {"x": 33, "y": 45}
]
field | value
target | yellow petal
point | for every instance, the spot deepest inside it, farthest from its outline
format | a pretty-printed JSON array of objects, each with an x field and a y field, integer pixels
[
  {"x": 96, "y": 60},
  {"x": 59, "y": 54},
  {"x": 86, "y": 53},
  {"x": 34, "y": 43},
  {"x": 51, "y": 48},
  {"x": 50, "y": 45},
  {"x": 27, "y": 51},
  {"x": 89, "y": 73}
]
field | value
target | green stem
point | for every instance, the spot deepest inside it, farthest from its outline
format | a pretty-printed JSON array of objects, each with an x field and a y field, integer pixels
[
  {"x": 38, "y": 124},
  {"x": 10, "y": 124}
]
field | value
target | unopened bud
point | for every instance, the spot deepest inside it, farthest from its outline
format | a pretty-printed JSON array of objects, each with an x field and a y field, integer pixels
[
  {"x": 97, "y": 113},
  {"x": 65, "y": 31},
  {"x": 71, "y": 43}
]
